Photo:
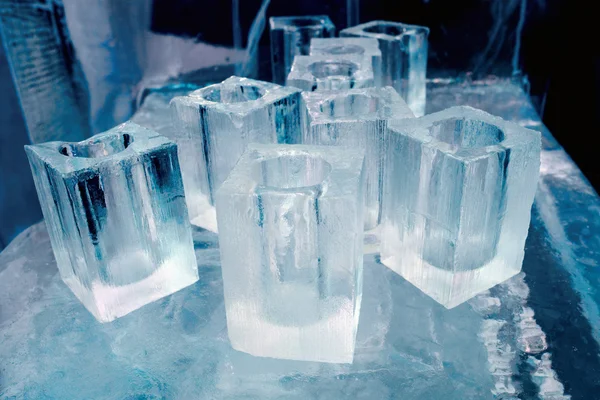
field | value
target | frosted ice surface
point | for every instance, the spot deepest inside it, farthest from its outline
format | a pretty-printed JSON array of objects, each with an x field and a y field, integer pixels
[
  {"x": 115, "y": 210},
  {"x": 331, "y": 72},
  {"x": 404, "y": 57},
  {"x": 355, "y": 118},
  {"x": 367, "y": 47},
  {"x": 458, "y": 190},
  {"x": 291, "y": 236},
  {"x": 290, "y": 36},
  {"x": 213, "y": 126}
]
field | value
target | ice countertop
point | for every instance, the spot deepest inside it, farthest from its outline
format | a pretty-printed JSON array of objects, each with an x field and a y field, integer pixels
[{"x": 534, "y": 336}]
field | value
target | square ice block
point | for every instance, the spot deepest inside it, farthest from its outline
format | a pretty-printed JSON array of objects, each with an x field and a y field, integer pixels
[
  {"x": 349, "y": 45},
  {"x": 291, "y": 237},
  {"x": 290, "y": 36},
  {"x": 404, "y": 57},
  {"x": 115, "y": 211},
  {"x": 331, "y": 72},
  {"x": 458, "y": 190},
  {"x": 355, "y": 118},
  {"x": 215, "y": 124}
]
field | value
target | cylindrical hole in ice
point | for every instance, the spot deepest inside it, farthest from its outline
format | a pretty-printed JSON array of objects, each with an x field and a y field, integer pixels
[
  {"x": 95, "y": 148},
  {"x": 345, "y": 49},
  {"x": 230, "y": 94},
  {"x": 467, "y": 133},
  {"x": 293, "y": 171},
  {"x": 325, "y": 69},
  {"x": 351, "y": 106},
  {"x": 386, "y": 29}
]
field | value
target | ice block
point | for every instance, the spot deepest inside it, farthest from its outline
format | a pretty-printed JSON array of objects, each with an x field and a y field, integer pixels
[
  {"x": 290, "y": 36},
  {"x": 404, "y": 57},
  {"x": 458, "y": 190},
  {"x": 115, "y": 210},
  {"x": 355, "y": 118},
  {"x": 331, "y": 72},
  {"x": 367, "y": 47},
  {"x": 291, "y": 237},
  {"x": 215, "y": 124}
]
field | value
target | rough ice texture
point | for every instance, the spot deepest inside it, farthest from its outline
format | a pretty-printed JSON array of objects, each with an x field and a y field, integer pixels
[
  {"x": 331, "y": 72},
  {"x": 115, "y": 211},
  {"x": 213, "y": 126},
  {"x": 367, "y": 47},
  {"x": 291, "y": 237},
  {"x": 290, "y": 36},
  {"x": 458, "y": 190},
  {"x": 356, "y": 118},
  {"x": 404, "y": 57}
]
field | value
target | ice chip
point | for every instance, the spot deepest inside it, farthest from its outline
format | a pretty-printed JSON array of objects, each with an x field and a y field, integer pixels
[
  {"x": 331, "y": 72},
  {"x": 458, "y": 190},
  {"x": 291, "y": 237},
  {"x": 290, "y": 36},
  {"x": 115, "y": 210},
  {"x": 349, "y": 45},
  {"x": 215, "y": 124},
  {"x": 404, "y": 57}
]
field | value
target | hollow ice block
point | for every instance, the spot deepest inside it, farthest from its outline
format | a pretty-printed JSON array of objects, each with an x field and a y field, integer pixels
[
  {"x": 290, "y": 36},
  {"x": 404, "y": 57},
  {"x": 366, "y": 47},
  {"x": 458, "y": 190},
  {"x": 355, "y": 118},
  {"x": 331, "y": 72},
  {"x": 115, "y": 211},
  {"x": 215, "y": 124},
  {"x": 291, "y": 237}
]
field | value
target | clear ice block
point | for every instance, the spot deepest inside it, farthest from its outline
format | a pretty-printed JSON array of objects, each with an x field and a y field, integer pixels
[
  {"x": 458, "y": 190},
  {"x": 115, "y": 210},
  {"x": 404, "y": 57},
  {"x": 291, "y": 237},
  {"x": 331, "y": 72},
  {"x": 355, "y": 118},
  {"x": 213, "y": 126},
  {"x": 290, "y": 36},
  {"x": 349, "y": 45}
]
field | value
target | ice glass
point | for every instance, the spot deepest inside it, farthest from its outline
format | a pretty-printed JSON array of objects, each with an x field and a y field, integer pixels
[
  {"x": 331, "y": 72},
  {"x": 290, "y": 36},
  {"x": 458, "y": 190},
  {"x": 404, "y": 57},
  {"x": 115, "y": 211},
  {"x": 291, "y": 237},
  {"x": 213, "y": 126},
  {"x": 355, "y": 118},
  {"x": 367, "y": 47}
]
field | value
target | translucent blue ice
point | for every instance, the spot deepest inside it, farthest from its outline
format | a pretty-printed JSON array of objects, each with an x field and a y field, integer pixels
[
  {"x": 331, "y": 72},
  {"x": 291, "y": 238},
  {"x": 367, "y": 47},
  {"x": 458, "y": 190},
  {"x": 213, "y": 126},
  {"x": 355, "y": 118},
  {"x": 404, "y": 57},
  {"x": 290, "y": 36},
  {"x": 115, "y": 210}
]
